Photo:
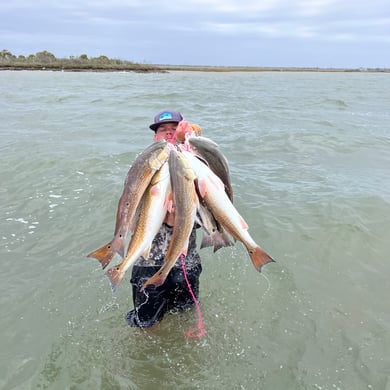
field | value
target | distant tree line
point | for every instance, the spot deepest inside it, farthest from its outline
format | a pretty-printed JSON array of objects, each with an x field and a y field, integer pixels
[{"x": 46, "y": 60}]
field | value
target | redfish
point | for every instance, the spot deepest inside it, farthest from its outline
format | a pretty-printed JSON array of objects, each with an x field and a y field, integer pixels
[
  {"x": 155, "y": 204},
  {"x": 185, "y": 205},
  {"x": 137, "y": 180},
  {"x": 212, "y": 191},
  {"x": 217, "y": 162}
]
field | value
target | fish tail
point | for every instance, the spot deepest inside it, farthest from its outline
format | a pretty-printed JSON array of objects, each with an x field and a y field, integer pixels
[
  {"x": 115, "y": 275},
  {"x": 259, "y": 258},
  {"x": 222, "y": 240},
  {"x": 103, "y": 254},
  {"x": 217, "y": 239},
  {"x": 207, "y": 240},
  {"x": 157, "y": 279}
]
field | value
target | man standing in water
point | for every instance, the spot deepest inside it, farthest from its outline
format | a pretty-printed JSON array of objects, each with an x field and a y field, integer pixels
[{"x": 174, "y": 295}]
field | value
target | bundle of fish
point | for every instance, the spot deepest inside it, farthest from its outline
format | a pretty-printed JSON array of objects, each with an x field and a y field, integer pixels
[{"x": 191, "y": 179}]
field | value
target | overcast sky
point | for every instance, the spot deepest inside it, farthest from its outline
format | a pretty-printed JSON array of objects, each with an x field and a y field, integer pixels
[{"x": 297, "y": 33}]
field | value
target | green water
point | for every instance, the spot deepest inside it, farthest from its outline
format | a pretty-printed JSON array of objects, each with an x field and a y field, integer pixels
[{"x": 309, "y": 157}]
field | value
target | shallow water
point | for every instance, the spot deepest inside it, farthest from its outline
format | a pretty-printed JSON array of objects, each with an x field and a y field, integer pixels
[{"x": 309, "y": 156}]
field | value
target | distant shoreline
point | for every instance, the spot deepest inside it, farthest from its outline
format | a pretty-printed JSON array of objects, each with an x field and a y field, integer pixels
[
  {"x": 266, "y": 69},
  {"x": 45, "y": 60},
  {"x": 166, "y": 68},
  {"x": 137, "y": 69}
]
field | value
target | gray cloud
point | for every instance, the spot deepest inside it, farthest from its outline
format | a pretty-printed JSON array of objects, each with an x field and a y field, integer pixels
[{"x": 204, "y": 32}]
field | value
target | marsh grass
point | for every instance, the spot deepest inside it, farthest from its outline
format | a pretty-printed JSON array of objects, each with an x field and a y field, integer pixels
[{"x": 45, "y": 60}]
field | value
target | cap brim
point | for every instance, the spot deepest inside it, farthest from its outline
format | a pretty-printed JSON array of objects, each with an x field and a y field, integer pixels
[{"x": 154, "y": 126}]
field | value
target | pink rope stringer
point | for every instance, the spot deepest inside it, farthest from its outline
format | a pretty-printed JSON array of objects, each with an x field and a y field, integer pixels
[{"x": 199, "y": 331}]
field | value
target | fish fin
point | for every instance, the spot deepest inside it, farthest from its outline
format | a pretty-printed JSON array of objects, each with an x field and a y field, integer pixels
[
  {"x": 159, "y": 277},
  {"x": 202, "y": 187},
  {"x": 244, "y": 225},
  {"x": 146, "y": 253},
  {"x": 170, "y": 202},
  {"x": 259, "y": 257},
  {"x": 115, "y": 275},
  {"x": 104, "y": 254},
  {"x": 155, "y": 189},
  {"x": 195, "y": 197}
]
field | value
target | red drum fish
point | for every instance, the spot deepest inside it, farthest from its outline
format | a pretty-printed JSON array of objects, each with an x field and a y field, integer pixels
[
  {"x": 137, "y": 180},
  {"x": 155, "y": 204},
  {"x": 185, "y": 205},
  {"x": 212, "y": 191}
]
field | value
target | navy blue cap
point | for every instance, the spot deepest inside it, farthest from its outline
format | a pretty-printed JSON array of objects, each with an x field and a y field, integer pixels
[{"x": 166, "y": 116}]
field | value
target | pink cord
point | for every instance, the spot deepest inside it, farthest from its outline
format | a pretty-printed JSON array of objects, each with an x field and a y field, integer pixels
[{"x": 199, "y": 331}]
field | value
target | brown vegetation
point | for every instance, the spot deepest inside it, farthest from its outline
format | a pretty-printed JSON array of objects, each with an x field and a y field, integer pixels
[{"x": 45, "y": 60}]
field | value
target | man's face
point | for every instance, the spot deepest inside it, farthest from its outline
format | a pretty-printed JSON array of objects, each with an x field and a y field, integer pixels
[{"x": 165, "y": 131}]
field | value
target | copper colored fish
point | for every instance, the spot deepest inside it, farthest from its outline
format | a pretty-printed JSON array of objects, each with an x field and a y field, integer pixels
[
  {"x": 137, "y": 180},
  {"x": 155, "y": 203},
  {"x": 185, "y": 204},
  {"x": 212, "y": 191},
  {"x": 217, "y": 162}
]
